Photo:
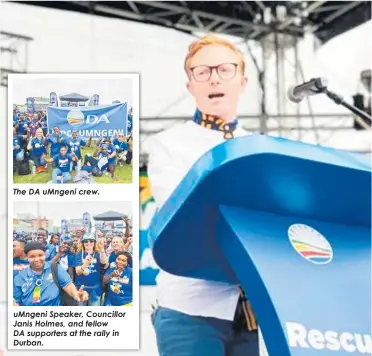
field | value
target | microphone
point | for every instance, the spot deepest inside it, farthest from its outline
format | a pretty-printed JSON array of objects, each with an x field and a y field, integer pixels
[{"x": 314, "y": 86}]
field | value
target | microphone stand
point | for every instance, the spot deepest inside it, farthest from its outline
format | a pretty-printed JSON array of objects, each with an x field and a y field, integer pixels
[
  {"x": 339, "y": 100},
  {"x": 362, "y": 117}
]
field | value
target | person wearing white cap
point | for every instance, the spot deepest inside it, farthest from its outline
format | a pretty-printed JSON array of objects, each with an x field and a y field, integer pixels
[{"x": 89, "y": 260}]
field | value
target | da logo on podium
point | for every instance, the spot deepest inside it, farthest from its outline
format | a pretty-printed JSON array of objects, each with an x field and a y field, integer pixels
[{"x": 310, "y": 244}]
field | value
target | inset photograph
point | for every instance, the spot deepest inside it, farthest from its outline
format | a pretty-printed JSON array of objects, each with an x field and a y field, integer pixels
[
  {"x": 70, "y": 130},
  {"x": 67, "y": 254}
]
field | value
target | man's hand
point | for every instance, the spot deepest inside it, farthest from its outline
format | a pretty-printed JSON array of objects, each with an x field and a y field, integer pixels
[{"x": 81, "y": 295}]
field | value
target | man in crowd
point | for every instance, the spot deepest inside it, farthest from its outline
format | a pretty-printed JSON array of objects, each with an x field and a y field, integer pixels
[
  {"x": 75, "y": 145},
  {"x": 62, "y": 164},
  {"x": 56, "y": 140},
  {"x": 42, "y": 236},
  {"x": 20, "y": 261},
  {"x": 64, "y": 255},
  {"x": 111, "y": 150}
]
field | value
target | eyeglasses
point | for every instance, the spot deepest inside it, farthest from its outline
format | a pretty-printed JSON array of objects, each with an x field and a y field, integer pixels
[
  {"x": 90, "y": 241},
  {"x": 224, "y": 70}
]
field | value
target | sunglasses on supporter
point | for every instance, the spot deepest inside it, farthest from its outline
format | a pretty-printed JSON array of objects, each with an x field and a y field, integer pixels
[{"x": 90, "y": 241}]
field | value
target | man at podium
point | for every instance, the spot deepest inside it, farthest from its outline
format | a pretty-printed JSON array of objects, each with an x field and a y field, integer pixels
[{"x": 199, "y": 317}]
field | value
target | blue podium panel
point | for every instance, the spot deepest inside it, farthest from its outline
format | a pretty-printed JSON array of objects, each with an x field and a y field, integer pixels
[
  {"x": 302, "y": 275},
  {"x": 257, "y": 173},
  {"x": 291, "y": 223}
]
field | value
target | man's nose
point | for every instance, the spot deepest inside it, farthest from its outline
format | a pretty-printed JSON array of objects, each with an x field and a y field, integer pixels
[{"x": 214, "y": 79}]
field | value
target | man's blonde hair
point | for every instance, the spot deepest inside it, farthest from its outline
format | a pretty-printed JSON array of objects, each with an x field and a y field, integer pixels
[{"x": 208, "y": 40}]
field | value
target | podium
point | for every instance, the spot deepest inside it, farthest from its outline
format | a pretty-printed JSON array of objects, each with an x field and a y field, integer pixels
[{"x": 290, "y": 223}]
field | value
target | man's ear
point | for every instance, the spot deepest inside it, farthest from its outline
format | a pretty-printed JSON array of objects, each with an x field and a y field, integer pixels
[{"x": 190, "y": 88}]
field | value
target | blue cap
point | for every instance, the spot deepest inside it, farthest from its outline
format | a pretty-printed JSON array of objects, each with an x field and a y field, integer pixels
[{"x": 67, "y": 239}]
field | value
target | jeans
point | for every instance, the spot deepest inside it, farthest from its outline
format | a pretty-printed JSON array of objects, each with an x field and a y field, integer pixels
[
  {"x": 38, "y": 160},
  {"x": 94, "y": 298},
  {"x": 179, "y": 334},
  {"x": 56, "y": 172}
]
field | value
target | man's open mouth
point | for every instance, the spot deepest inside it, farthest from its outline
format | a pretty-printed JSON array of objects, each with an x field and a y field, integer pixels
[{"x": 216, "y": 95}]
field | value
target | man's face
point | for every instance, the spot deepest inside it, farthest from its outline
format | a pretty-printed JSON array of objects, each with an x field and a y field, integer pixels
[
  {"x": 74, "y": 134},
  {"x": 66, "y": 246},
  {"x": 22, "y": 116},
  {"x": 18, "y": 249},
  {"x": 41, "y": 236},
  {"x": 63, "y": 151},
  {"x": 56, "y": 130},
  {"x": 216, "y": 96},
  {"x": 36, "y": 116}
]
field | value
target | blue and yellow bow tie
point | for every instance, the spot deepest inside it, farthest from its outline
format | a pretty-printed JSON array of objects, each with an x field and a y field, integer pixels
[{"x": 216, "y": 123}]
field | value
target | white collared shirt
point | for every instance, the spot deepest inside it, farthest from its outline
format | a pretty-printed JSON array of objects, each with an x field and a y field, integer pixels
[{"x": 172, "y": 153}]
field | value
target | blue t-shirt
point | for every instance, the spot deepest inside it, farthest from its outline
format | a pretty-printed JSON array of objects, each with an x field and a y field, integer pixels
[
  {"x": 25, "y": 282},
  {"x": 67, "y": 261},
  {"x": 19, "y": 265},
  {"x": 93, "y": 279},
  {"x": 17, "y": 140},
  {"x": 103, "y": 161},
  {"x": 55, "y": 146},
  {"x": 120, "y": 289},
  {"x": 37, "y": 147},
  {"x": 110, "y": 149},
  {"x": 63, "y": 163},
  {"x": 50, "y": 252},
  {"x": 23, "y": 125},
  {"x": 75, "y": 145},
  {"x": 44, "y": 124},
  {"x": 120, "y": 146}
]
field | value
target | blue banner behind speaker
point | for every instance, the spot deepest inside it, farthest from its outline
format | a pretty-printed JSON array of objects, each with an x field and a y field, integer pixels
[
  {"x": 90, "y": 121},
  {"x": 53, "y": 99},
  {"x": 289, "y": 222},
  {"x": 30, "y": 105}
]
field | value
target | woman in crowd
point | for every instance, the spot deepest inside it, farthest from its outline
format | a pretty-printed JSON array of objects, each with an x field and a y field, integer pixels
[
  {"x": 35, "y": 285},
  {"x": 54, "y": 241},
  {"x": 37, "y": 148},
  {"x": 89, "y": 260},
  {"x": 119, "y": 281}
]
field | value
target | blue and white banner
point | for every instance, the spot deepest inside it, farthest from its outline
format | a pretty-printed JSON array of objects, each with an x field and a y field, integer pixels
[
  {"x": 95, "y": 121},
  {"x": 53, "y": 99}
]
